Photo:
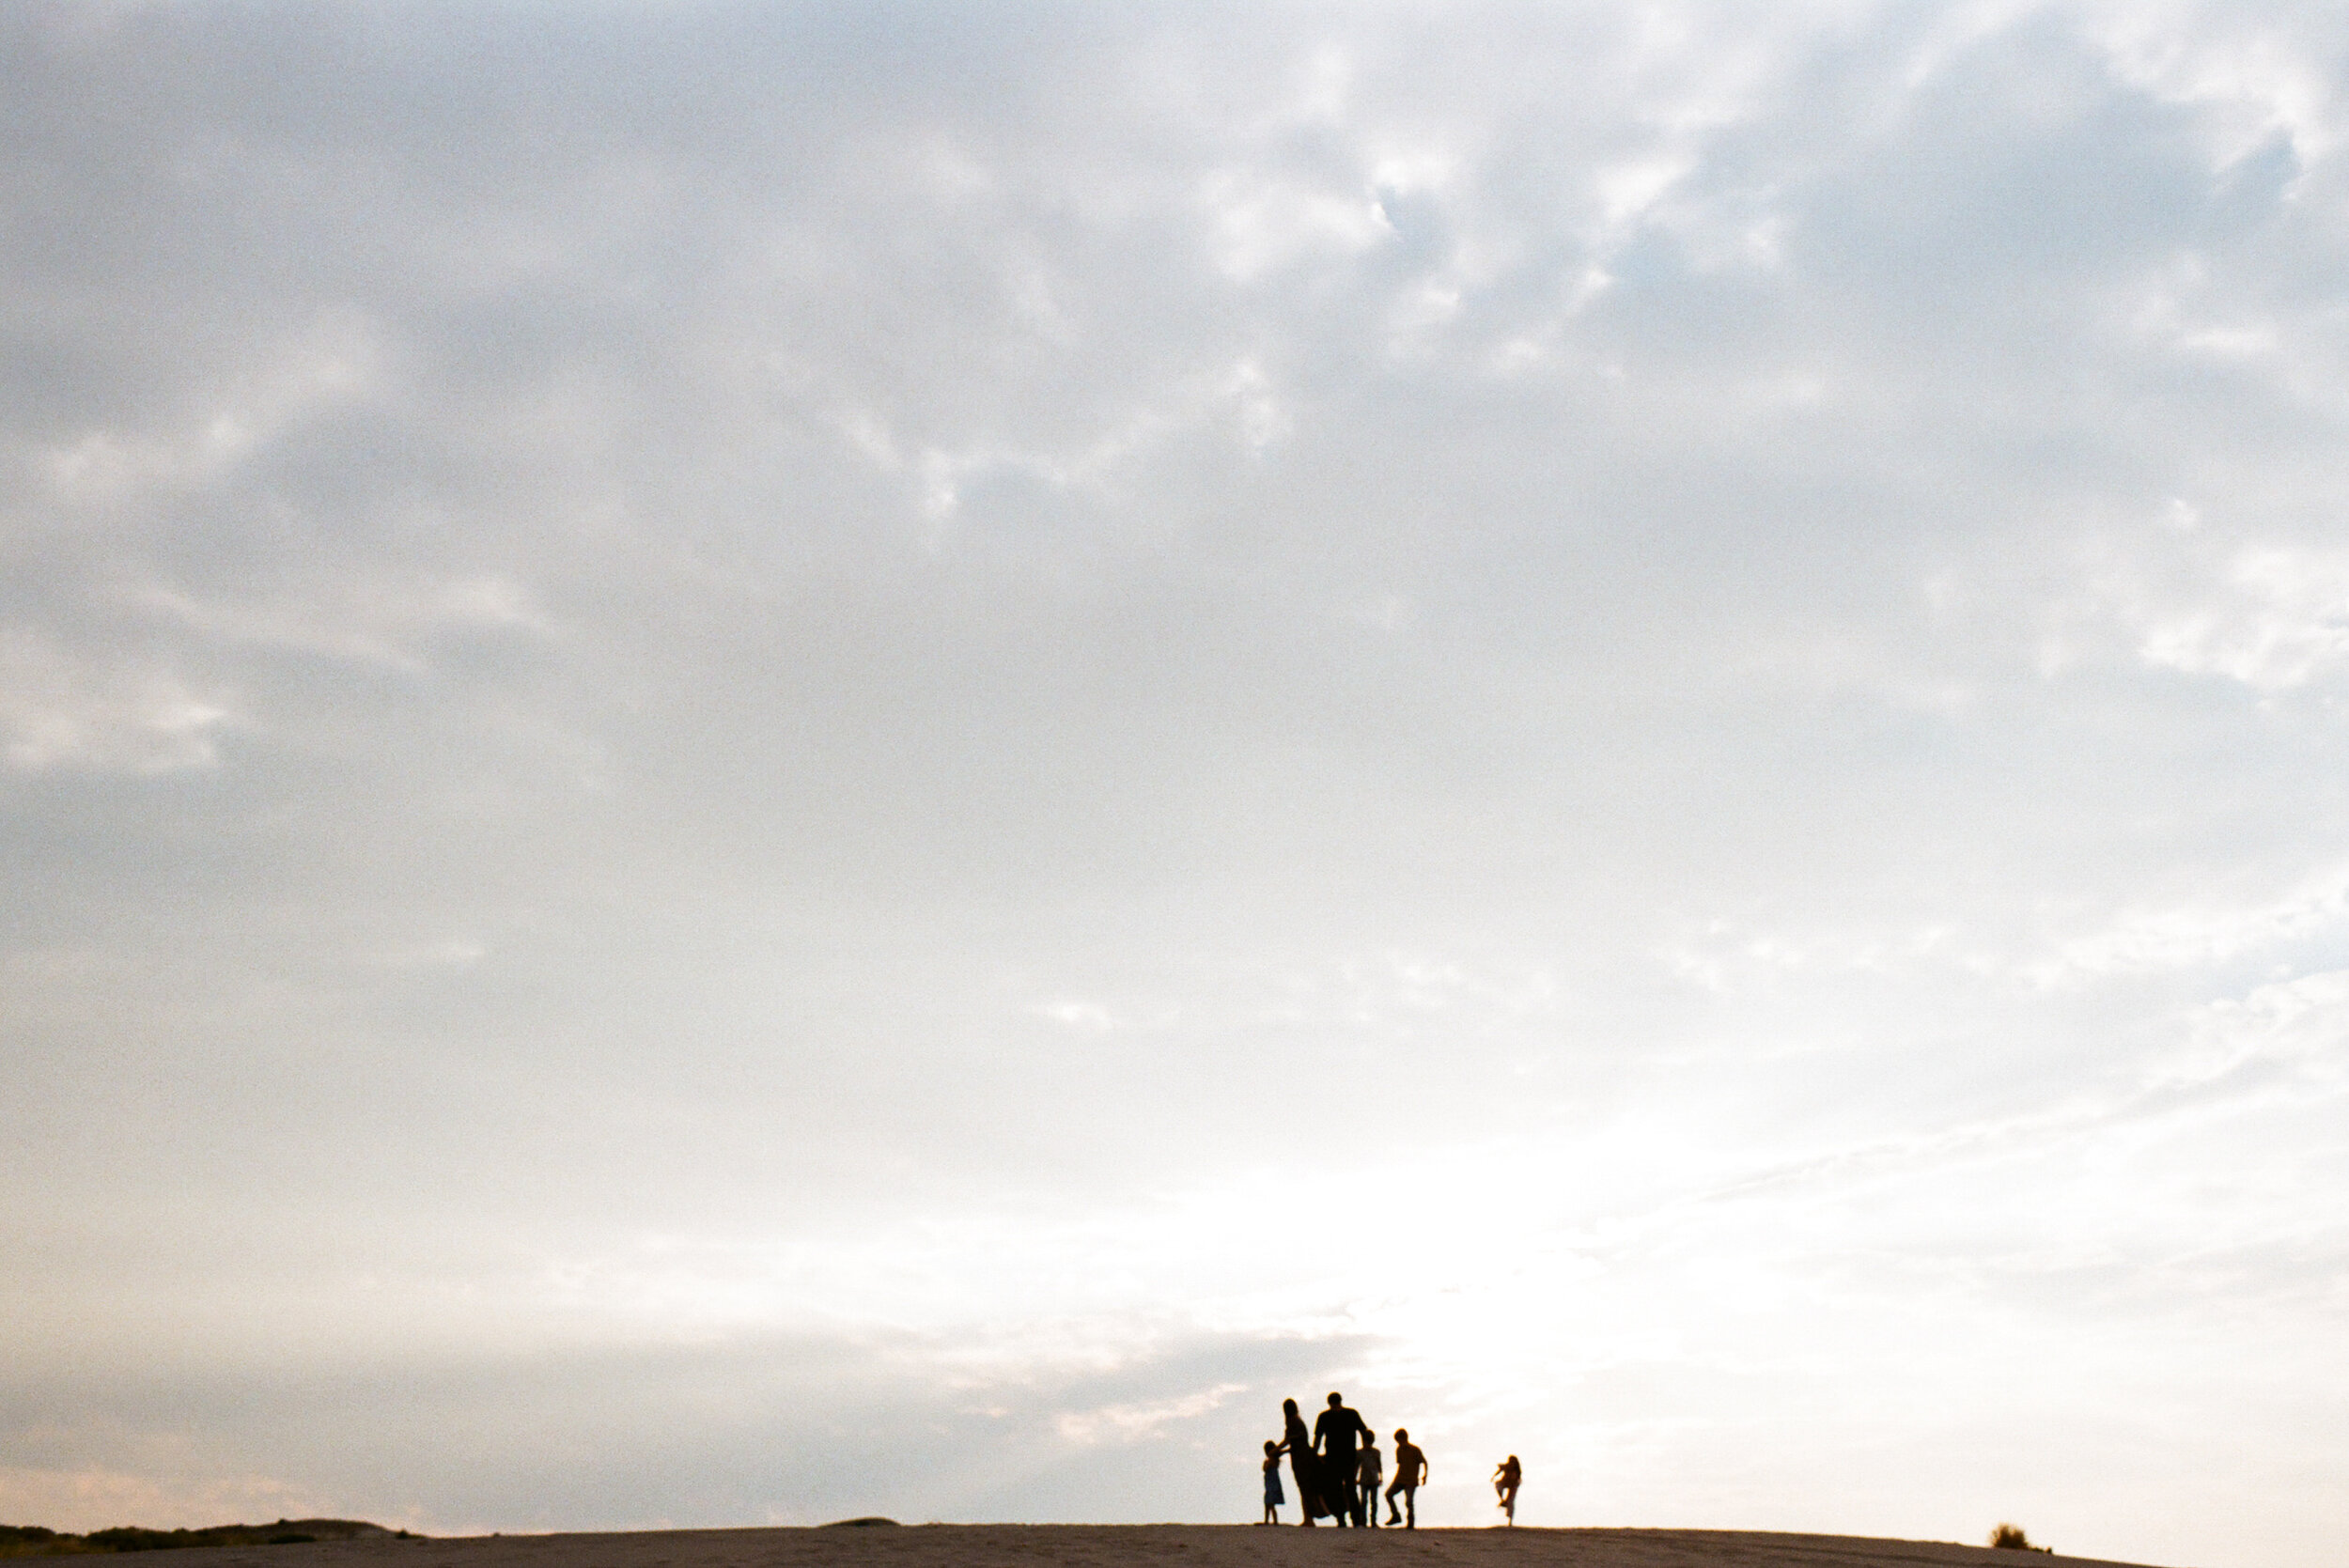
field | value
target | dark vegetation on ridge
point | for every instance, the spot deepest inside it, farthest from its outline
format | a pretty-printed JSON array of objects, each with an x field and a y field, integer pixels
[{"x": 33, "y": 1541}]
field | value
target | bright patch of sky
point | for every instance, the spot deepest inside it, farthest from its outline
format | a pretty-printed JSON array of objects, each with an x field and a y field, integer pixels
[{"x": 769, "y": 762}]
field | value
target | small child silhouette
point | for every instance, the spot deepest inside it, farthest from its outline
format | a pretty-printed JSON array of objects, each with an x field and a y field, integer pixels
[
  {"x": 1505, "y": 1479},
  {"x": 1366, "y": 1478},
  {"x": 1272, "y": 1496}
]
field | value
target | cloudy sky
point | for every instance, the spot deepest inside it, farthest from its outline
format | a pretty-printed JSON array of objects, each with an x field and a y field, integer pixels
[{"x": 764, "y": 761}]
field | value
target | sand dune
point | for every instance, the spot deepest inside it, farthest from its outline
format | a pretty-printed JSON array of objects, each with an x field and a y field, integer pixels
[{"x": 1133, "y": 1547}]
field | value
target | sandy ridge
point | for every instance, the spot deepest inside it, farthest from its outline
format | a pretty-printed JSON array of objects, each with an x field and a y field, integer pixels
[{"x": 1132, "y": 1547}]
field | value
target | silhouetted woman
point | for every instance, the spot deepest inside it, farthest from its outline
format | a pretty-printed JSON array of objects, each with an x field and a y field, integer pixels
[
  {"x": 1505, "y": 1479},
  {"x": 1305, "y": 1464}
]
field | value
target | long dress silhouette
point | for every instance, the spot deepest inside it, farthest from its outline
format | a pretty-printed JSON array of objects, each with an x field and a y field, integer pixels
[{"x": 1304, "y": 1465}]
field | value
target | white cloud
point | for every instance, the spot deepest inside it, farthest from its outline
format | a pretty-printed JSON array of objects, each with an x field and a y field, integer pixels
[
  {"x": 328, "y": 364},
  {"x": 1262, "y": 224},
  {"x": 103, "y": 714},
  {"x": 1132, "y": 1424},
  {"x": 2299, "y": 1025},
  {"x": 2280, "y": 618},
  {"x": 2256, "y": 76},
  {"x": 381, "y": 623}
]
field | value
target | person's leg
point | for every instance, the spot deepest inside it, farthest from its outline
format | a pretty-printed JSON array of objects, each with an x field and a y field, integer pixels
[{"x": 1410, "y": 1507}]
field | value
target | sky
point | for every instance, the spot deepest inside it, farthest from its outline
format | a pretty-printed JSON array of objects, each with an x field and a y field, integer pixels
[{"x": 769, "y": 762}]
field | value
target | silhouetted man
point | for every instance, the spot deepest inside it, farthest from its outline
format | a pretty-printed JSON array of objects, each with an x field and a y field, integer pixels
[{"x": 1337, "y": 1435}]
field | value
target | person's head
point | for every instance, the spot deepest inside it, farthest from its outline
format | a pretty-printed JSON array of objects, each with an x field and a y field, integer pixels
[
  {"x": 1336, "y": 1400},
  {"x": 1288, "y": 1406},
  {"x": 1370, "y": 1439},
  {"x": 1271, "y": 1448},
  {"x": 1401, "y": 1436},
  {"x": 1511, "y": 1460}
]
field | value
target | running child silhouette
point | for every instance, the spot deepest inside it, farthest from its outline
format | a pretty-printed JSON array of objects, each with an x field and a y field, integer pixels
[
  {"x": 1410, "y": 1473},
  {"x": 1505, "y": 1479}
]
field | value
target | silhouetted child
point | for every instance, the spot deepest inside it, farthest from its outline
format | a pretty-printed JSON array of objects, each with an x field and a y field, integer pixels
[
  {"x": 1410, "y": 1470},
  {"x": 1505, "y": 1480},
  {"x": 1272, "y": 1497},
  {"x": 1369, "y": 1470}
]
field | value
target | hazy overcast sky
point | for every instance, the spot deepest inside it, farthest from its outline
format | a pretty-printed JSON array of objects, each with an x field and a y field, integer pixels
[{"x": 773, "y": 761}]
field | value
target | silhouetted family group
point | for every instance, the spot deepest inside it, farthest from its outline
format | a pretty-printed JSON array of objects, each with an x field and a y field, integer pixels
[{"x": 1337, "y": 1466}]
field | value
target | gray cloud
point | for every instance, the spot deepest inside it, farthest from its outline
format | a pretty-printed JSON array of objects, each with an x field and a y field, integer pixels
[{"x": 651, "y": 1435}]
